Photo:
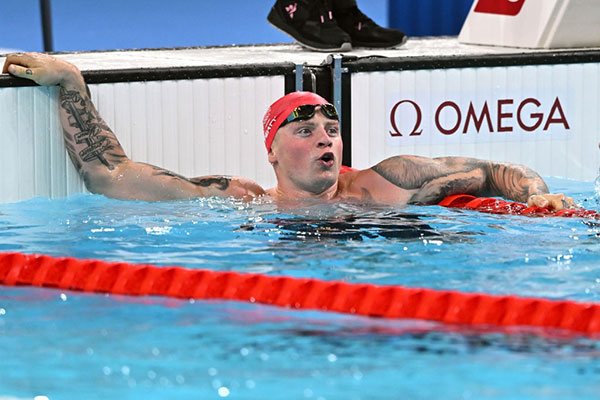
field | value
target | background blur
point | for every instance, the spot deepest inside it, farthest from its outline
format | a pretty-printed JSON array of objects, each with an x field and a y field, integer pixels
[{"x": 80, "y": 25}]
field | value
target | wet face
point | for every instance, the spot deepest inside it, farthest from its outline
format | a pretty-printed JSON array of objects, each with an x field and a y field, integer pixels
[{"x": 307, "y": 155}]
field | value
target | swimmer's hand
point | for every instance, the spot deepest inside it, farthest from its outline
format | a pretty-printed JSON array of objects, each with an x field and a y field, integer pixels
[
  {"x": 554, "y": 202},
  {"x": 43, "y": 69}
]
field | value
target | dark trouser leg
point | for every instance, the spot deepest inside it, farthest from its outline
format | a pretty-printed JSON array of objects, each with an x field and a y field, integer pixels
[
  {"x": 364, "y": 31},
  {"x": 344, "y": 4}
]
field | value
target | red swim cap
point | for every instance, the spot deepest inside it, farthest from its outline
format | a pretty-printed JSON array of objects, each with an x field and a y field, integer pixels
[{"x": 282, "y": 108}]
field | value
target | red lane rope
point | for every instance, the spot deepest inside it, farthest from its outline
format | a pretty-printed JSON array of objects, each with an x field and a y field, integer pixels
[
  {"x": 498, "y": 206},
  {"x": 362, "y": 299}
]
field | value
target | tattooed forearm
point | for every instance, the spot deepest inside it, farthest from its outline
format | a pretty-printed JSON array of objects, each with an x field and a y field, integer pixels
[
  {"x": 87, "y": 137},
  {"x": 221, "y": 182},
  {"x": 514, "y": 182},
  {"x": 438, "y": 189},
  {"x": 72, "y": 152}
]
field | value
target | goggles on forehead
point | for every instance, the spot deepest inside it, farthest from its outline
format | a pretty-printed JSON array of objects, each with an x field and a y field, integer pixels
[{"x": 307, "y": 111}]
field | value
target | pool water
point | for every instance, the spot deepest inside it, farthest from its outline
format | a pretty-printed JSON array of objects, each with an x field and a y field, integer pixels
[{"x": 70, "y": 345}]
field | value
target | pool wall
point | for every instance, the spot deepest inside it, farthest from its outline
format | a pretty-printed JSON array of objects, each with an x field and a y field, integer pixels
[{"x": 198, "y": 111}]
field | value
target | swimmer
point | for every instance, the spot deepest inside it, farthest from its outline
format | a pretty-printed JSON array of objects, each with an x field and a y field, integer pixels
[{"x": 304, "y": 146}]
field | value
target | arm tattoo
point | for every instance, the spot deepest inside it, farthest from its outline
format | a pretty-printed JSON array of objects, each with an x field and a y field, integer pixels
[
  {"x": 432, "y": 179},
  {"x": 436, "y": 190},
  {"x": 514, "y": 181},
  {"x": 221, "y": 182},
  {"x": 91, "y": 131},
  {"x": 435, "y": 179},
  {"x": 406, "y": 173},
  {"x": 72, "y": 153}
]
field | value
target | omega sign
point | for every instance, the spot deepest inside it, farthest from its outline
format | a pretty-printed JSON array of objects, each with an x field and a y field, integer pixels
[{"x": 499, "y": 119}]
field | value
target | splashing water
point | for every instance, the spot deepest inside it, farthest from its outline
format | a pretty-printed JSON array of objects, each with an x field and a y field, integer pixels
[
  {"x": 597, "y": 186},
  {"x": 597, "y": 189}
]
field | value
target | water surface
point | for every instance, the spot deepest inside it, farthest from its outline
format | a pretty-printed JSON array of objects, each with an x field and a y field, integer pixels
[{"x": 71, "y": 345}]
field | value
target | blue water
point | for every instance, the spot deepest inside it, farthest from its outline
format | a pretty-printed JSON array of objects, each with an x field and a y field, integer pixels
[{"x": 68, "y": 345}]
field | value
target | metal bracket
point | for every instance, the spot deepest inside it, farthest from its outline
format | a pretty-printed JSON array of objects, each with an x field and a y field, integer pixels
[
  {"x": 299, "y": 77},
  {"x": 301, "y": 71},
  {"x": 337, "y": 71}
]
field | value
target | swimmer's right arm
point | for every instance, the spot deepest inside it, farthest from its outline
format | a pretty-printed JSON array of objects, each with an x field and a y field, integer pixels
[{"x": 97, "y": 154}]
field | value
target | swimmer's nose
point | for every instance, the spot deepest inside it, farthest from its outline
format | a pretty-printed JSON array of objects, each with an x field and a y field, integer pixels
[
  {"x": 324, "y": 139},
  {"x": 325, "y": 143}
]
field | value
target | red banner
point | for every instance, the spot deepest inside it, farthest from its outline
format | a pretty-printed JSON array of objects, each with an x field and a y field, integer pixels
[{"x": 503, "y": 7}]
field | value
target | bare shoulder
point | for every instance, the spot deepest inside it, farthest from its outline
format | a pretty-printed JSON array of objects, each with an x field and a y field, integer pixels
[{"x": 370, "y": 187}]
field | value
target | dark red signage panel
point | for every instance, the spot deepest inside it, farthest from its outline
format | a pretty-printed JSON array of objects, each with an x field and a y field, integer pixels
[{"x": 502, "y": 7}]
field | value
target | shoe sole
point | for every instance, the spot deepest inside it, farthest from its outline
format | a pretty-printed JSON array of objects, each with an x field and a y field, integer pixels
[
  {"x": 376, "y": 46},
  {"x": 275, "y": 20}
]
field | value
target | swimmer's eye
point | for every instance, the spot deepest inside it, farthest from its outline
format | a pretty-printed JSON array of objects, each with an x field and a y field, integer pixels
[
  {"x": 304, "y": 131},
  {"x": 307, "y": 130},
  {"x": 333, "y": 131}
]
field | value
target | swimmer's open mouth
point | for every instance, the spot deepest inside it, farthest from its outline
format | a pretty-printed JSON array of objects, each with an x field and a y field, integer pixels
[{"x": 327, "y": 157}]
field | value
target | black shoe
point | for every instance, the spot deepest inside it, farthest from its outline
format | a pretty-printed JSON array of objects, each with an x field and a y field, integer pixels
[
  {"x": 365, "y": 32},
  {"x": 310, "y": 23}
]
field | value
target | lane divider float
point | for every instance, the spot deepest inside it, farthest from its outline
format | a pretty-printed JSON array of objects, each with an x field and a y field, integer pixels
[
  {"x": 498, "y": 206},
  {"x": 449, "y": 307}
]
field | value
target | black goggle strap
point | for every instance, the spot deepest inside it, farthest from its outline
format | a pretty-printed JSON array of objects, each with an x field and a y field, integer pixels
[{"x": 307, "y": 111}]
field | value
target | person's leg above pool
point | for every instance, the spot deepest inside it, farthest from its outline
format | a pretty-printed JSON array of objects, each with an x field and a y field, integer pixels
[
  {"x": 363, "y": 30},
  {"x": 311, "y": 23}
]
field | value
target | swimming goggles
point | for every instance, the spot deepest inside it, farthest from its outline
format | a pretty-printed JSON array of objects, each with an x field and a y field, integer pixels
[{"x": 307, "y": 111}]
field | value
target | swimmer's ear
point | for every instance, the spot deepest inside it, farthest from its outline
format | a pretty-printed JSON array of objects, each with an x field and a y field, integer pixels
[{"x": 272, "y": 156}]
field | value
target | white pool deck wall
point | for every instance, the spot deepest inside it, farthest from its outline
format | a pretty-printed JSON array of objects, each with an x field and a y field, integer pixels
[{"x": 213, "y": 125}]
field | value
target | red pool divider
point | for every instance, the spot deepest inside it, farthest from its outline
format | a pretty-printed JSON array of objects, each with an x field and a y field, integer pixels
[
  {"x": 499, "y": 206},
  {"x": 362, "y": 299}
]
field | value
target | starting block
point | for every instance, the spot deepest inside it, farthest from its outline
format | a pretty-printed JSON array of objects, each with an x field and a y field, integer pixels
[{"x": 533, "y": 23}]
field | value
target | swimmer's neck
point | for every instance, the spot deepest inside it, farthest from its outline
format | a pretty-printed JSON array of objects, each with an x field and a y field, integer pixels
[{"x": 289, "y": 193}]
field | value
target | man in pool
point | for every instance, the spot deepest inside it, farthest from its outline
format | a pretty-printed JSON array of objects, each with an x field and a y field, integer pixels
[{"x": 304, "y": 145}]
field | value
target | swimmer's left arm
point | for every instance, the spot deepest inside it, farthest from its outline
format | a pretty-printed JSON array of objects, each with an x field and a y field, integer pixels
[{"x": 429, "y": 180}]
